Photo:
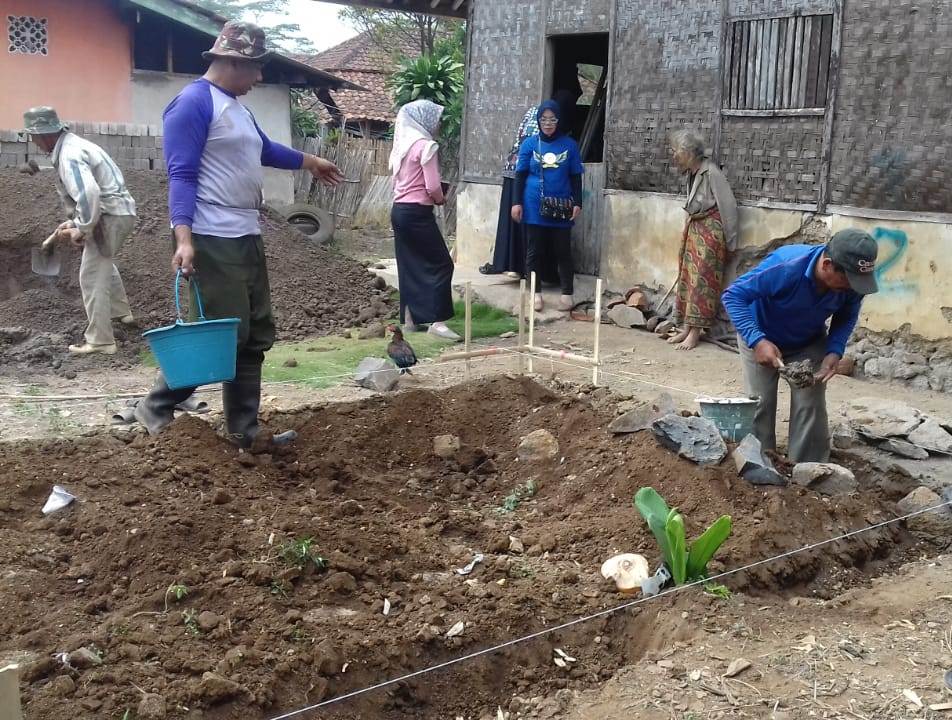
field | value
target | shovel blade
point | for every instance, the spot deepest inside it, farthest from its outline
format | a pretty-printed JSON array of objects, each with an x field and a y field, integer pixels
[{"x": 45, "y": 263}]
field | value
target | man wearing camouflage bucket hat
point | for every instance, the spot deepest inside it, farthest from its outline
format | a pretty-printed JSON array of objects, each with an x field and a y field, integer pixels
[
  {"x": 215, "y": 151},
  {"x": 102, "y": 216}
]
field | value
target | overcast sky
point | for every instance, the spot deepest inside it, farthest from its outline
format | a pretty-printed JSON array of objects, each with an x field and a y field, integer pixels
[{"x": 318, "y": 21}]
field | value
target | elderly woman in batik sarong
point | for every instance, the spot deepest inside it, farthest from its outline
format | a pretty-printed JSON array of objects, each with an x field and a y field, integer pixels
[{"x": 710, "y": 233}]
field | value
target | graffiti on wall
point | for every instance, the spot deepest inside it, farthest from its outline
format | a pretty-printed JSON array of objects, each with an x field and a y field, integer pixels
[{"x": 893, "y": 246}]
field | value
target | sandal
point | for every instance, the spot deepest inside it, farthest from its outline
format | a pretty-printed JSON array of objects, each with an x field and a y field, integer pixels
[{"x": 488, "y": 269}]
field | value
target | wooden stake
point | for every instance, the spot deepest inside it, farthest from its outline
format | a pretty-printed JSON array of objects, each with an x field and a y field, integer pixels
[
  {"x": 10, "y": 708},
  {"x": 532, "y": 294},
  {"x": 598, "y": 328},
  {"x": 560, "y": 354},
  {"x": 468, "y": 329},
  {"x": 522, "y": 323},
  {"x": 484, "y": 352}
]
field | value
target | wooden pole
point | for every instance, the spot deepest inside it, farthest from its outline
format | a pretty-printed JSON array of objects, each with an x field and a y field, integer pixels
[
  {"x": 598, "y": 328},
  {"x": 10, "y": 708},
  {"x": 561, "y": 354},
  {"x": 532, "y": 294},
  {"x": 468, "y": 329},
  {"x": 522, "y": 322},
  {"x": 484, "y": 352}
]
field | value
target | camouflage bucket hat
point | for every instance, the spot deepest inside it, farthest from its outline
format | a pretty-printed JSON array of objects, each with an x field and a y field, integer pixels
[
  {"x": 241, "y": 40},
  {"x": 42, "y": 121}
]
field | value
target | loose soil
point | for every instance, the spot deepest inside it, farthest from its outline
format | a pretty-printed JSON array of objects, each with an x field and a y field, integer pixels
[
  {"x": 393, "y": 521},
  {"x": 314, "y": 291}
]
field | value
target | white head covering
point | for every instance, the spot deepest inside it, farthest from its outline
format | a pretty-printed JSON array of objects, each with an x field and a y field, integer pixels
[{"x": 417, "y": 120}]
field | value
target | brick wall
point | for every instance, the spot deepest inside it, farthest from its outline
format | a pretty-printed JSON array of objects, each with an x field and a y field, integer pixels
[{"x": 137, "y": 147}]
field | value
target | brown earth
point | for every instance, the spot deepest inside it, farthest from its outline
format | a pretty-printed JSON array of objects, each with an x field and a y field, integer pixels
[
  {"x": 393, "y": 520},
  {"x": 314, "y": 291}
]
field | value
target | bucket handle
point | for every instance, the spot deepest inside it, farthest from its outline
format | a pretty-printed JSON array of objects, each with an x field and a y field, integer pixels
[{"x": 198, "y": 297}]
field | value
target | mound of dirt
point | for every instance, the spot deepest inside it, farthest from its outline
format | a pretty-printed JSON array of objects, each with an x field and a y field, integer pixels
[
  {"x": 314, "y": 291},
  {"x": 191, "y": 570}
]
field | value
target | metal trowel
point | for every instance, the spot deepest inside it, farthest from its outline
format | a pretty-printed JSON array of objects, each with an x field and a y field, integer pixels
[{"x": 45, "y": 260}]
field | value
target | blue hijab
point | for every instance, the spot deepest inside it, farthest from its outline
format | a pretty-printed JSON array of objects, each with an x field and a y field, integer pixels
[{"x": 554, "y": 107}]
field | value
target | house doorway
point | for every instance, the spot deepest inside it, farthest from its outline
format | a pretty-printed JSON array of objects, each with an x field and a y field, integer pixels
[{"x": 580, "y": 64}]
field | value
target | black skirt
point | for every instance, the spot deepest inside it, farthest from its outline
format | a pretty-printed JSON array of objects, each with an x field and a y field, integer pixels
[
  {"x": 509, "y": 253},
  {"x": 424, "y": 265}
]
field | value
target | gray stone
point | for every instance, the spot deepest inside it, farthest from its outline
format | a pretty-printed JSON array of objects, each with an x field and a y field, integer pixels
[
  {"x": 377, "y": 374},
  {"x": 446, "y": 446},
  {"x": 641, "y": 417},
  {"x": 825, "y": 478},
  {"x": 538, "y": 446},
  {"x": 84, "y": 658},
  {"x": 904, "y": 449},
  {"x": 843, "y": 436},
  {"x": 374, "y": 330},
  {"x": 694, "y": 438},
  {"x": 627, "y": 317},
  {"x": 881, "y": 418},
  {"x": 934, "y": 526},
  {"x": 753, "y": 465},
  {"x": 931, "y": 436},
  {"x": 151, "y": 707}
]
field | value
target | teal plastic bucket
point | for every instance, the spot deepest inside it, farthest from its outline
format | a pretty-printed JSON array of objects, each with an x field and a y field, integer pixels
[
  {"x": 195, "y": 353},
  {"x": 734, "y": 417}
]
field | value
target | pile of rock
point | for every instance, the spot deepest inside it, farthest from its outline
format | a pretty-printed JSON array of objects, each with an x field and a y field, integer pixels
[
  {"x": 920, "y": 363},
  {"x": 893, "y": 427}
]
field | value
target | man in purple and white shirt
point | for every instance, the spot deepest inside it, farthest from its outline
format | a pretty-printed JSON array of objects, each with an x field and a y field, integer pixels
[{"x": 215, "y": 152}]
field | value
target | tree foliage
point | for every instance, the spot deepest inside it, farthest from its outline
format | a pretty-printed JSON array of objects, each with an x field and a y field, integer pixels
[
  {"x": 394, "y": 31},
  {"x": 283, "y": 35}
]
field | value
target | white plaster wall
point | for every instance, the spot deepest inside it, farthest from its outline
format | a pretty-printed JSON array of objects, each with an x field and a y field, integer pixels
[
  {"x": 914, "y": 272},
  {"x": 152, "y": 92},
  {"x": 477, "y": 213}
]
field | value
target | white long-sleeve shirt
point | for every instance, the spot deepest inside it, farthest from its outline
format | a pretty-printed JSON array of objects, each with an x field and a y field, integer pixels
[{"x": 89, "y": 182}]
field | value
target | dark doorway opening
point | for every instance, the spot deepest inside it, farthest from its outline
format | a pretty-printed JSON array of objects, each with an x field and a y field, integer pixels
[{"x": 579, "y": 64}]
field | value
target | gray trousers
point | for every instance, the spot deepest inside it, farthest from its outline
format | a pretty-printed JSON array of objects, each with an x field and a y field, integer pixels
[
  {"x": 809, "y": 426},
  {"x": 103, "y": 293}
]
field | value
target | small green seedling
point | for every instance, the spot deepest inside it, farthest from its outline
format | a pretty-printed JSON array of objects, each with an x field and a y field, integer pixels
[
  {"x": 176, "y": 592},
  {"x": 300, "y": 553},
  {"x": 512, "y": 501},
  {"x": 687, "y": 564},
  {"x": 190, "y": 618},
  {"x": 722, "y": 592}
]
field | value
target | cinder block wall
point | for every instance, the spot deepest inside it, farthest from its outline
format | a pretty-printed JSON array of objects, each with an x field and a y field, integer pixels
[{"x": 132, "y": 146}]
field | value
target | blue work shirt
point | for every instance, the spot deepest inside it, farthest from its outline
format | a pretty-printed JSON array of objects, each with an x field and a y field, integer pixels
[{"x": 779, "y": 300}]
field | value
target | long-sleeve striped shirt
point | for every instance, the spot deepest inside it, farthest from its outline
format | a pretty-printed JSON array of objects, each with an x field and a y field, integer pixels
[{"x": 89, "y": 182}]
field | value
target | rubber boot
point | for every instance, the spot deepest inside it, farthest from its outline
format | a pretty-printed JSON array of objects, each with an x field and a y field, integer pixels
[
  {"x": 157, "y": 409},
  {"x": 241, "y": 399}
]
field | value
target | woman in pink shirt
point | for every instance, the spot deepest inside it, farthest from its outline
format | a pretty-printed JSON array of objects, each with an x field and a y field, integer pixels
[{"x": 424, "y": 266}]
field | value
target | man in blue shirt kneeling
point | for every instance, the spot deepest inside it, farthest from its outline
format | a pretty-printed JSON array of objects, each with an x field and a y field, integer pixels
[{"x": 780, "y": 310}]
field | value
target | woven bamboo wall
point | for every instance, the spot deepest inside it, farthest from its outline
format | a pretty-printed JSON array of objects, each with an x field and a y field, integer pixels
[
  {"x": 505, "y": 77},
  {"x": 892, "y": 136},
  {"x": 666, "y": 69},
  {"x": 577, "y": 16},
  {"x": 773, "y": 158}
]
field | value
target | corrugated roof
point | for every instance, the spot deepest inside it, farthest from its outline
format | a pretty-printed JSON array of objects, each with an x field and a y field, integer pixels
[{"x": 452, "y": 8}]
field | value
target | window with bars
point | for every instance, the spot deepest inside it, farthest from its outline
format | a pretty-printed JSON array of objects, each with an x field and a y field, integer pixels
[
  {"x": 777, "y": 66},
  {"x": 26, "y": 35}
]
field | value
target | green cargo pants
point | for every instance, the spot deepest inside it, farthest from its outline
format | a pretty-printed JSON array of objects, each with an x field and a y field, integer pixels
[{"x": 232, "y": 280}]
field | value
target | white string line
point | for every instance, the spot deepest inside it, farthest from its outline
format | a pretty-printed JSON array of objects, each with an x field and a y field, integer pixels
[{"x": 601, "y": 613}]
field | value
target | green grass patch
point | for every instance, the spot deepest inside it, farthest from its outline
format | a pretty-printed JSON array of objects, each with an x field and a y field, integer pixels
[{"x": 328, "y": 361}]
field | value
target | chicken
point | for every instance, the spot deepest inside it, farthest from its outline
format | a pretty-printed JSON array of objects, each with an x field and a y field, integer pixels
[{"x": 400, "y": 351}]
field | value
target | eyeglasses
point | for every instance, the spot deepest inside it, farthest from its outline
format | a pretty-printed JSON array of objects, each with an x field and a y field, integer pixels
[{"x": 549, "y": 121}]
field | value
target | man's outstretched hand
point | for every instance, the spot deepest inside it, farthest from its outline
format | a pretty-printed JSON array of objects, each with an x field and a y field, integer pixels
[
  {"x": 827, "y": 368},
  {"x": 768, "y": 354},
  {"x": 323, "y": 170}
]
